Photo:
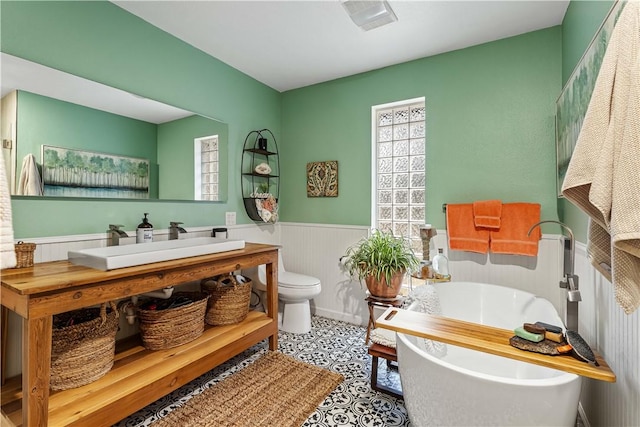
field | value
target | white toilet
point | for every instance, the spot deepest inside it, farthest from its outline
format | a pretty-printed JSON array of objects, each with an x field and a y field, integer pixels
[{"x": 294, "y": 292}]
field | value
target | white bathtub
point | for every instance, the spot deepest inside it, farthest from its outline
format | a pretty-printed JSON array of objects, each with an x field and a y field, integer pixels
[{"x": 469, "y": 388}]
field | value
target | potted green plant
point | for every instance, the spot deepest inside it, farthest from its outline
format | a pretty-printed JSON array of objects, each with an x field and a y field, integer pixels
[{"x": 381, "y": 260}]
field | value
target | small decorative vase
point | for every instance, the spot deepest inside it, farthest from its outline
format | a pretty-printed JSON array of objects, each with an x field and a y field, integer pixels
[{"x": 379, "y": 288}]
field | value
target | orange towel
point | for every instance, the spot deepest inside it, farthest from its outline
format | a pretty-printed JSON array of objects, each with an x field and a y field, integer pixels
[
  {"x": 462, "y": 233},
  {"x": 517, "y": 219},
  {"x": 486, "y": 213}
]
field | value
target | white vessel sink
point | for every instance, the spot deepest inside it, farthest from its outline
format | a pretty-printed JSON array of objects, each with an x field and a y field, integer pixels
[{"x": 113, "y": 257}]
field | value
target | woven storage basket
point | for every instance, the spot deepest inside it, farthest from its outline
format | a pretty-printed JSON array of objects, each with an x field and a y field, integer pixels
[
  {"x": 172, "y": 327},
  {"x": 83, "y": 352},
  {"x": 229, "y": 301},
  {"x": 24, "y": 254}
]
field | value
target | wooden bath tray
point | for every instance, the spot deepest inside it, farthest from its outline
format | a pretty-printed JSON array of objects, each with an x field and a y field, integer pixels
[{"x": 486, "y": 339}]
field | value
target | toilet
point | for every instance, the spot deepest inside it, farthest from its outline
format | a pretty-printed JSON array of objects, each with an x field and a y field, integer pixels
[{"x": 294, "y": 292}]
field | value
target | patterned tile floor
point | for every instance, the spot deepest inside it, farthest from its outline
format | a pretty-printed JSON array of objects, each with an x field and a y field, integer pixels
[{"x": 331, "y": 344}]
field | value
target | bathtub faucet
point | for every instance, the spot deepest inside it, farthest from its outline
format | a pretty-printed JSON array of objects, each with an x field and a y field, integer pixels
[{"x": 570, "y": 280}]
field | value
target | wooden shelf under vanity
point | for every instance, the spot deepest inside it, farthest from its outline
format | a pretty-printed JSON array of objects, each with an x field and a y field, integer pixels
[
  {"x": 139, "y": 376},
  {"x": 486, "y": 339}
]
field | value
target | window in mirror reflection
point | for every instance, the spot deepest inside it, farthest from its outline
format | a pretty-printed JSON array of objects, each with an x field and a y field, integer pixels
[{"x": 206, "y": 168}]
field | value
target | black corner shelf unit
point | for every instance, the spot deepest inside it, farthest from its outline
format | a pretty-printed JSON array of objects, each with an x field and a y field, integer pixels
[{"x": 259, "y": 149}]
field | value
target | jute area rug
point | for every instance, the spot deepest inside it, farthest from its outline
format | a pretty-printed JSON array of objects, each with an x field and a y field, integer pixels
[{"x": 276, "y": 390}]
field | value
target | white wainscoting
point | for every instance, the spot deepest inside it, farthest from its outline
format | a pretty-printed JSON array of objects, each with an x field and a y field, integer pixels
[
  {"x": 616, "y": 336},
  {"x": 315, "y": 250}
]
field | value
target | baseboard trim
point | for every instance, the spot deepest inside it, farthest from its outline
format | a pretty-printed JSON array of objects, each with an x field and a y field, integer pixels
[{"x": 336, "y": 315}]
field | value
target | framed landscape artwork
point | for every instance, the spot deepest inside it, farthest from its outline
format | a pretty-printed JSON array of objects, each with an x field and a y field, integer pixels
[
  {"x": 573, "y": 102},
  {"x": 68, "y": 172}
]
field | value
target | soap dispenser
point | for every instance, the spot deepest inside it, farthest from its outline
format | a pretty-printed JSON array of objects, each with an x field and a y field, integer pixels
[
  {"x": 144, "y": 233},
  {"x": 441, "y": 266}
]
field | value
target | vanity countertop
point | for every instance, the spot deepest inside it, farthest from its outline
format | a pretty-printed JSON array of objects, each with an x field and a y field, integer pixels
[{"x": 57, "y": 275}]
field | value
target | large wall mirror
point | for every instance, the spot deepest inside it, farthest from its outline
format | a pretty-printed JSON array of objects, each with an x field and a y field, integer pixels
[{"x": 185, "y": 154}]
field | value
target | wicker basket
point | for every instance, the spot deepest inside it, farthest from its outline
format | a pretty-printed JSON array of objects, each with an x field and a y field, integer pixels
[
  {"x": 24, "y": 254},
  {"x": 171, "y": 327},
  {"x": 83, "y": 352},
  {"x": 229, "y": 301}
]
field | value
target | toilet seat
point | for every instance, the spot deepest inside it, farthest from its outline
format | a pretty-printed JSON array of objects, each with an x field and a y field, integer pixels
[
  {"x": 289, "y": 281},
  {"x": 295, "y": 280}
]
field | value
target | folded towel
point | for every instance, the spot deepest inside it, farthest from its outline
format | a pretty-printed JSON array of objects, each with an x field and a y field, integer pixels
[
  {"x": 517, "y": 219},
  {"x": 486, "y": 213},
  {"x": 462, "y": 233},
  {"x": 30, "y": 183},
  {"x": 7, "y": 250}
]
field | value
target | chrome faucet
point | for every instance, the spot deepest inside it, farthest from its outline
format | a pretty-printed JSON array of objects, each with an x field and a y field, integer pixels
[
  {"x": 570, "y": 280},
  {"x": 175, "y": 230},
  {"x": 114, "y": 234}
]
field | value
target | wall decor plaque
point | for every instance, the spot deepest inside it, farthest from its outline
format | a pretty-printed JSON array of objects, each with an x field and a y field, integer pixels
[{"x": 322, "y": 179}]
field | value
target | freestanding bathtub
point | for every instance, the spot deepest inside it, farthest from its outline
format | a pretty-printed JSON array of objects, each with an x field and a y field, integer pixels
[{"x": 469, "y": 388}]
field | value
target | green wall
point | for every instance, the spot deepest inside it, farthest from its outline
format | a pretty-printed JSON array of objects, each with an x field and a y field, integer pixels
[
  {"x": 102, "y": 42},
  {"x": 581, "y": 22},
  {"x": 489, "y": 126},
  {"x": 176, "y": 151},
  {"x": 490, "y": 111}
]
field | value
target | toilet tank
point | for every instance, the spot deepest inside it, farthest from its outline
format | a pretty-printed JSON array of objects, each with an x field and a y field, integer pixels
[{"x": 262, "y": 270}]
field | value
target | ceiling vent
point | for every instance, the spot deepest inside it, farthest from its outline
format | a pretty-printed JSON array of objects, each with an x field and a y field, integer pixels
[{"x": 369, "y": 14}]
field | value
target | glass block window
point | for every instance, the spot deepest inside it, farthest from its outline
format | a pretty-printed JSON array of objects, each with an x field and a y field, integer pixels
[
  {"x": 399, "y": 176},
  {"x": 207, "y": 167}
]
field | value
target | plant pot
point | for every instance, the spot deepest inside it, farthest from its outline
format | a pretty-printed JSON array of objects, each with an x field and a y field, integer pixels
[{"x": 379, "y": 288}]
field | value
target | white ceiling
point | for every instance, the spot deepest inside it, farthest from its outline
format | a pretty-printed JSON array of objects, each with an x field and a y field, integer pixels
[{"x": 296, "y": 43}]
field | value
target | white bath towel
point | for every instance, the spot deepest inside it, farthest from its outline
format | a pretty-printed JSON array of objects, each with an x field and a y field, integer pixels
[
  {"x": 7, "y": 250},
  {"x": 383, "y": 337},
  {"x": 603, "y": 177},
  {"x": 30, "y": 183}
]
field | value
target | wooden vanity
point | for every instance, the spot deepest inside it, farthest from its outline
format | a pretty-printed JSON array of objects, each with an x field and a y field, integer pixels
[{"x": 139, "y": 376}]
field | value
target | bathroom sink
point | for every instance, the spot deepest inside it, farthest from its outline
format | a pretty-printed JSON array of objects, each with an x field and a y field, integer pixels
[{"x": 113, "y": 257}]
